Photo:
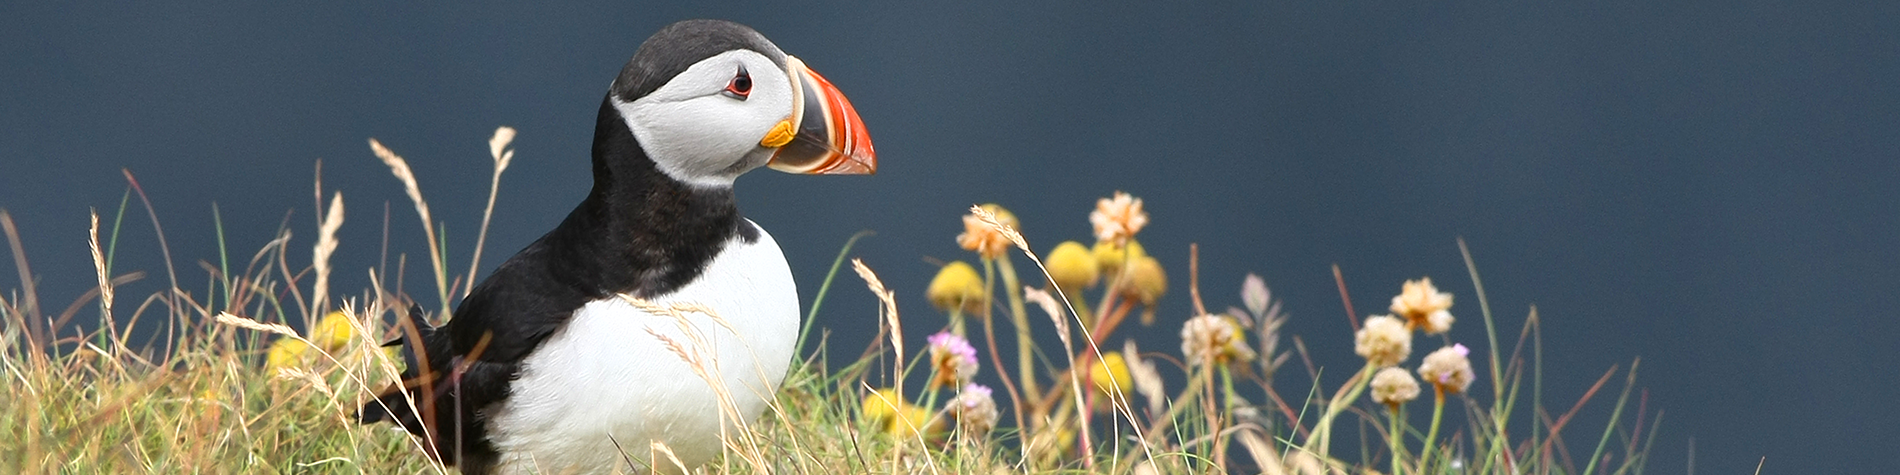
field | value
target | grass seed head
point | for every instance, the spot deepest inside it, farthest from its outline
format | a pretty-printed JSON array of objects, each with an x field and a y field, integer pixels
[{"x": 986, "y": 240}]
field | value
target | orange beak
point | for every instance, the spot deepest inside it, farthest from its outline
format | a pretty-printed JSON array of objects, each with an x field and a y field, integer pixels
[{"x": 828, "y": 137}]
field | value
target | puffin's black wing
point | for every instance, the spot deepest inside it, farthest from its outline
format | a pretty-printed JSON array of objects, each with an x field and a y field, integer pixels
[{"x": 455, "y": 373}]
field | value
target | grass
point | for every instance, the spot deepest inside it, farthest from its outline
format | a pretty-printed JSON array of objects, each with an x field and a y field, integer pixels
[{"x": 232, "y": 387}]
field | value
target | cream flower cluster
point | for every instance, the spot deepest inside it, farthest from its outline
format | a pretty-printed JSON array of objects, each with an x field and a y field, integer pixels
[
  {"x": 975, "y": 409},
  {"x": 1383, "y": 341},
  {"x": 1449, "y": 368},
  {"x": 1394, "y": 386},
  {"x": 1424, "y": 306},
  {"x": 1118, "y": 219},
  {"x": 1214, "y": 338}
]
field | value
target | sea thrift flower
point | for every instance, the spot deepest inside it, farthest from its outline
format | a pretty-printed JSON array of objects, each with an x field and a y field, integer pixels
[
  {"x": 1393, "y": 387},
  {"x": 1072, "y": 268},
  {"x": 1383, "y": 341},
  {"x": 974, "y": 409},
  {"x": 1213, "y": 338},
  {"x": 1111, "y": 373},
  {"x": 953, "y": 359},
  {"x": 1418, "y": 300},
  {"x": 1448, "y": 368},
  {"x": 985, "y": 240},
  {"x": 1118, "y": 219},
  {"x": 956, "y": 286},
  {"x": 1438, "y": 322}
]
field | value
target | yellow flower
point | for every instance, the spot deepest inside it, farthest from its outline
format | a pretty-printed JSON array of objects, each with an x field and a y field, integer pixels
[
  {"x": 1118, "y": 219},
  {"x": 897, "y": 417},
  {"x": 956, "y": 286},
  {"x": 1146, "y": 281},
  {"x": 1393, "y": 386},
  {"x": 1383, "y": 341},
  {"x": 1214, "y": 338},
  {"x": 285, "y": 353},
  {"x": 1418, "y": 300},
  {"x": 882, "y": 404},
  {"x": 1449, "y": 368},
  {"x": 985, "y": 240},
  {"x": 1111, "y": 366},
  {"x": 1072, "y": 268},
  {"x": 1109, "y": 257},
  {"x": 332, "y": 331}
]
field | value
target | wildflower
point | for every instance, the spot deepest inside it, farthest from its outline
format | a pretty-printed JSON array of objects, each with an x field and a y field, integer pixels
[
  {"x": 952, "y": 358},
  {"x": 956, "y": 287},
  {"x": 1146, "y": 281},
  {"x": 1072, "y": 268},
  {"x": 1383, "y": 341},
  {"x": 285, "y": 353},
  {"x": 1117, "y": 220},
  {"x": 1211, "y": 338},
  {"x": 1393, "y": 387},
  {"x": 1111, "y": 374},
  {"x": 1448, "y": 368},
  {"x": 1417, "y": 303},
  {"x": 332, "y": 331},
  {"x": 1110, "y": 257},
  {"x": 974, "y": 409},
  {"x": 987, "y": 241},
  {"x": 1438, "y": 322},
  {"x": 895, "y": 416},
  {"x": 883, "y": 404}
]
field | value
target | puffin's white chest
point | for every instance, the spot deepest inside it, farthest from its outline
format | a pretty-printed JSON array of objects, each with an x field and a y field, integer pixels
[{"x": 605, "y": 375}]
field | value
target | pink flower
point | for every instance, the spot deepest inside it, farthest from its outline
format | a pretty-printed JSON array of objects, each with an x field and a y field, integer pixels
[{"x": 952, "y": 358}]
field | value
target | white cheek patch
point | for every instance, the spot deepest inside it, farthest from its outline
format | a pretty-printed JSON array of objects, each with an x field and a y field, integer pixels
[{"x": 698, "y": 135}]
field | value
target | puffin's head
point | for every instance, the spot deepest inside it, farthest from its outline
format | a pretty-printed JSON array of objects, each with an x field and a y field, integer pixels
[{"x": 712, "y": 99}]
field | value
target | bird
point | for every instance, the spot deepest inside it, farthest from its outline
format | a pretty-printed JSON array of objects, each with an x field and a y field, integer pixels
[{"x": 558, "y": 361}]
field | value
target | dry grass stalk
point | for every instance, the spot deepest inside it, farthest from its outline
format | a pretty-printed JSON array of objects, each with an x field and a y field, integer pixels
[
  {"x": 320, "y": 255},
  {"x": 99, "y": 265},
  {"x": 400, "y": 168},
  {"x": 498, "y": 151}
]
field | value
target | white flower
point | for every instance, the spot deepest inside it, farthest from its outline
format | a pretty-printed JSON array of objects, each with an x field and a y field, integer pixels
[
  {"x": 1418, "y": 300},
  {"x": 1393, "y": 386},
  {"x": 1383, "y": 341},
  {"x": 1449, "y": 368},
  {"x": 1118, "y": 219},
  {"x": 1213, "y": 338}
]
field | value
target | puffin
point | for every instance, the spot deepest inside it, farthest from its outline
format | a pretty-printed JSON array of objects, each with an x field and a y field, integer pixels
[{"x": 548, "y": 366}]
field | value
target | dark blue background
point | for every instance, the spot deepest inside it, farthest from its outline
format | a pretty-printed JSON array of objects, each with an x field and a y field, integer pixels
[{"x": 1707, "y": 185}]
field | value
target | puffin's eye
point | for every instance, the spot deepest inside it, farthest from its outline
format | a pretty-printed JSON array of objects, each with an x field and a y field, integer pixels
[{"x": 740, "y": 86}]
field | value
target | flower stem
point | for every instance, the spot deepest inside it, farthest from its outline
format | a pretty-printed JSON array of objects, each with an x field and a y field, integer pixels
[
  {"x": 1323, "y": 430},
  {"x": 1438, "y": 409},
  {"x": 1025, "y": 345},
  {"x": 1397, "y": 429}
]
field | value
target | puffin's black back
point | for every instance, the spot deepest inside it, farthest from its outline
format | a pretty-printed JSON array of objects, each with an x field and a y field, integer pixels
[{"x": 638, "y": 232}]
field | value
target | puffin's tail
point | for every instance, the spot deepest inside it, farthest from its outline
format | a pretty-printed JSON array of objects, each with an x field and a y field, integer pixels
[{"x": 409, "y": 403}]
